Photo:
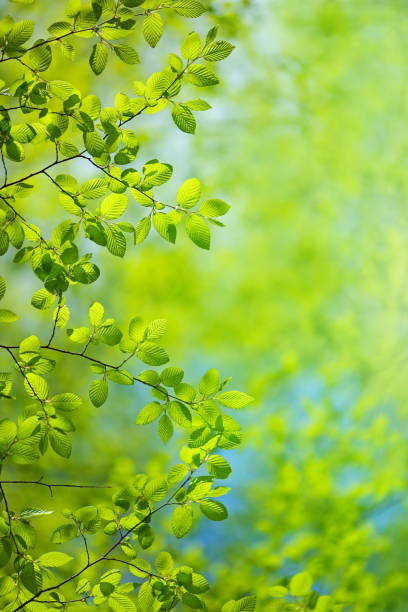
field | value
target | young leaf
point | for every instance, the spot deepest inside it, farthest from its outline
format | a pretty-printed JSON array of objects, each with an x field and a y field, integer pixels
[
  {"x": 216, "y": 51},
  {"x": 234, "y": 399},
  {"x": 214, "y": 208},
  {"x": 98, "y": 58},
  {"x": 189, "y": 8},
  {"x": 54, "y": 559},
  {"x": 127, "y": 54},
  {"x": 214, "y": 510},
  {"x": 198, "y": 231},
  {"x": 152, "y": 29},
  {"x": 218, "y": 467},
  {"x": 189, "y": 193},
  {"x": 184, "y": 118},
  {"x": 182, "y": 520},
  {"x": 149, "y": 413},
  {"x": 114, "y": 205},
  {"x": 98, "y": 392},
  {"x": 165, "y": 428}
]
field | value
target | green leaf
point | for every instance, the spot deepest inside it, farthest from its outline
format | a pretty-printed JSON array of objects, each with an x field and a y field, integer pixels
[
  {"x": 164, "y": 563},
  {"x": 198, "y": 105},
  {"x": 86, "y": 273},
  {"x": 190, "y": 49},
  {"x": 66, "y": 402},
  {"x": 95, "y": 313},
  {"x": 301, "y": 584},
  {"x": 192, "y": 601},
  {"x": 20, "y": 33},
  {"x": 214, "y": 208},
  {"x": 114, "y": 205},
  {"x": 165, "y": 428},
  {"x": 234, "y": 399},
  {"x": 127, "y": 54},
  {"x": 98, "y": 392},
  {"x": 201, "y": 76},
  {"x": 189, "y": 193},
  {"x": 31, "y": 577},
  {"x": 198, "y": 231},
  {"x": 40, "y": 58},
  {"x": 42, "y": 299},
  {"x": 152, "y": 29},
  {"x": 3, "y": 287},
  {"x": 98, "y": 58},
  {"x": 120, "y": 377},
  {"x": 35, "y": 386},
  {"x": 110, "y": 334},
  {"x": 80, "y": 335},
  {"x": 8, "y": 316},
  {"x": 210, "y": 382},
  {"x": 14, "y": 151},
  {"x": 121, "y": 603},
  {"x": 152, "y": 354},
  {"x": 177, "y": 473},
  {"x": 94, "y": 188},
  {"x": 218, "y": 467},
  {"x": 4, "y": 242},
  {"x": 216, "y": 51},
  {"x": 61, "y": 315},
  {"x": 32, "y": 512},
  {"x": 164, "y": 227},
  {"x": 94, "y": 143},
  {"x": 184, "y": 118},
  {"x": 214, "y": 510},
  {"x": 8, "y": 432},
  {"x": 54, "y": 559},
  {"x": 180, "y": 413},
  {"x": 189, "y": 8},
  {"x": 171, "y": 377},
  {"x": 182, "y": 520},
  {"x": 60, "y": 443},
  {"x": 142, "y": 230},
  {"x": 245, "y": 604},
  {"x": 22, "y": 132},
  {"x": 64, "y": 533},
  {"x": 6, "y": 585},
  {"x": 24, "y": 453},
  {"x": 116, "y": 241},
  {"x": 149, "y": 413}
]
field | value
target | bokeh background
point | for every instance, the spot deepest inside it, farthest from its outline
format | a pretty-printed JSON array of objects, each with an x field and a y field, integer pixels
[{"x": 302, "y": 298}]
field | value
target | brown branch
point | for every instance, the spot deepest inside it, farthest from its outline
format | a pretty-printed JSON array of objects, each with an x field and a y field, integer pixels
[{"x": 9, "y": 517}]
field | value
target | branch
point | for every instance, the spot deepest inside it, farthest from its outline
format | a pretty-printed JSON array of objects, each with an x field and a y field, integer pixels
[
  {"x": 105, "y": 556},
  {"x": 128, "y": 563},
  {"x": 55, "y": 321},
  {"x": 9, "y": 517},
  {"x": 109, "y": 367},
  {"x": 93, "y": 28},
  {"x": 98, "y": 361},
  {"x": 88, "y": 558},
  {"x": 52, "y": 485}
]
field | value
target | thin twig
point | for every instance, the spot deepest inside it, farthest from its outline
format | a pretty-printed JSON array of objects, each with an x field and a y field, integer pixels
[{"x": 9, "y": 517}]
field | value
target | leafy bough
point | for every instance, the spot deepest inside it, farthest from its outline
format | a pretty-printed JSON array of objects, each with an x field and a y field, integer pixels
[{"x": 46, "y": 110}]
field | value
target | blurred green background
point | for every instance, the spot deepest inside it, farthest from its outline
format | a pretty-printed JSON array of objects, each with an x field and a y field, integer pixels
[{"x": 302, "y": 298}]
